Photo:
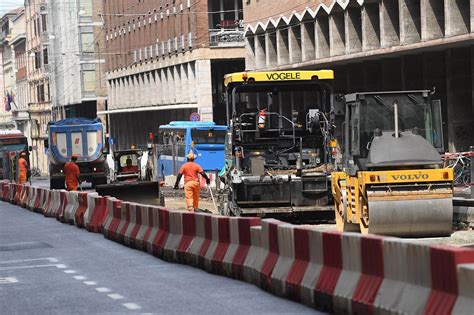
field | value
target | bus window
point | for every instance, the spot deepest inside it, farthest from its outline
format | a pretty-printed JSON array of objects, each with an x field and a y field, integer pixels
[{"x": 208, "y": 136}]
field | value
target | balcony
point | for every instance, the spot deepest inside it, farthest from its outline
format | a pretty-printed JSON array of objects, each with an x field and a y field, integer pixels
[{"x": 226, "y": 37}]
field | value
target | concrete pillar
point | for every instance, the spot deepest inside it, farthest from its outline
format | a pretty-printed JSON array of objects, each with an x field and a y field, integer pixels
[
  {"x": 178, "y": 84},
  {"x": 165, "y": 85},
  {"x": 249, "y": 52},
  {"x": 308, "y": 49},
  {"x": 282, "y": 47},
  {"x": 353, "y": 29},
  {"x": 160, "y": 87},
  {"x": 410, "y": 21},
  {"x": 204, "y": 81},
  {"x": 172, "y": 82},
  {"x": 271, "y": 48},
  {"x": 185, "y": 82},
  {"x": 294, "y": 41},
  {"x": 193, "y": 82},
  {"x": 370, "y": 26},
  {"x": 432, "y": 19},
  {"x": 260, "y": 59},
  {"x": 322, "y": 36},
  {"x": 336, "y": 34},
  {"x": 457, "y": 17}
]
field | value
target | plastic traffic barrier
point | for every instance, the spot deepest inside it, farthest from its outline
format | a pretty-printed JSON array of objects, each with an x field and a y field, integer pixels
[
  {"x": 138, "y": 235},
  {"x": 213, "y": 260},
  {"x": 174, "y": 236},
  {"x": 162, "y": 234},
  {"x": 197, "y": 250},
  {"x": 113, "y": 218},
  {"x": 96, "y": 213},
  {"x": 152, "y": 229},
  {"x": 83, "y": 199},
  {"x": 189, "y": 233},
  {"x": 465, "y": 301},
  {"x": 130, "y": 235},
  {"x": 72, "y": 205}
]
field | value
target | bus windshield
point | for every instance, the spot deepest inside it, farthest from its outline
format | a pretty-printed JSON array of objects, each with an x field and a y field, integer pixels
[{"x": 208, "y": 136}]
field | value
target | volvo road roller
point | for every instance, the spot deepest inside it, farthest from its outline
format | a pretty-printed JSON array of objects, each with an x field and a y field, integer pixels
[{"x": 392, "y": 181}]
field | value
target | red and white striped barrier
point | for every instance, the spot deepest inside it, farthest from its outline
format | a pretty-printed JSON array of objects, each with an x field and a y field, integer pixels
[
  {"x": 113, "y": 218},
  {"x": 162, "y": 233},
  {"x": 152, "y": 229},
  {"x": 71, "y": 207},
  {"x": 63, "y": 202},
  {"x": 23, "y": 198},
  {"x": 82, "y": 199},
  {"x": 37, "y": 204},
  {"x": 31, "y": 198},
  {"x": 197, "y": 250},
  {"x": 255, "y": 252},
  {"x": 96, "y": 213},
  {"x": 135, "y": 221},
  {"x": 138, "y": 238},
  {"x": 239, "y": 246},
  {"x": 465, "y": 301},
  {"x": 219, "y": 244},
  {"x": 264, "y": 264},
  {"x": 124, "y": 222},
  {"x": 54, "y": 204},
  {"x": 174, "y": 236},
  {"x": 188, "y": 235}
]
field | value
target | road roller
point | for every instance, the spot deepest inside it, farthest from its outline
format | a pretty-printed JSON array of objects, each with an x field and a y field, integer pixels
[{"x": 392, "y": 181}]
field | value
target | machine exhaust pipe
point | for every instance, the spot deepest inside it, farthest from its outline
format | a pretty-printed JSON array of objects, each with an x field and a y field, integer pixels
[{"x": 395, "y": 112}]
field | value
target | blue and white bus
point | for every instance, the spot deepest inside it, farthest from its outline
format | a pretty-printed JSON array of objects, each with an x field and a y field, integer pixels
[{"x": 176, "y": 139}]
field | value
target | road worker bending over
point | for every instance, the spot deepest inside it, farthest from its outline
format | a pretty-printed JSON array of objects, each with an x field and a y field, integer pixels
[
  {"x": 23, "y": 168},
  {"x": 191, "y": 172},
  {"x": 72, "y": 172}
]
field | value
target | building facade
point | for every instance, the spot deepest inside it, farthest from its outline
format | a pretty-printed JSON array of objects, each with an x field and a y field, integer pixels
[
  {"x": 74, "y": 62},
  {"x": 374, "y": 45},
  {"x": 38, "y": 71},
  {"x": 9, "y": 30},
  {"x": 19, "y": 111},
  {"x": 165, "y": 60}
]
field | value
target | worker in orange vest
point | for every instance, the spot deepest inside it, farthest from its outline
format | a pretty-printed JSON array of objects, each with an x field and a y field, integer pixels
[
  {"x": 191, "y": 171},
  {"x": 23, "y": 168},
  {"x": 72, "y": 172}
]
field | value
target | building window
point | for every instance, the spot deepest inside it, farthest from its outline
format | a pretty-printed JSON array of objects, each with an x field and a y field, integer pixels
[
  {"x": 86, "y": 6},
  {"x": 44, "y": 25},
  {"x": 37, "y": 60},
  {"x": 87, "y": 42},
  {"x": 45, "y": 56},
  {"x": 88, "y": 79},
  {"x": 40, "y": 93}
]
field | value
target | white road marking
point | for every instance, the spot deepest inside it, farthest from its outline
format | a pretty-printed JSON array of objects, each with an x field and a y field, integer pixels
[
  {"x": 27, "y": 267},
  {"x": 50, "y": 259},
  {"x": 115, "y": 296},
  {"x": 102, "y": 290},
  {"x": 8, "y": 280},
  {"x": 79, "y": 277},
  {"x": 132, "y": 306},
  {"x": 61, "y": 266},
  {"x": 70, "y": 271},
  {"x": 90, "y": 283}
]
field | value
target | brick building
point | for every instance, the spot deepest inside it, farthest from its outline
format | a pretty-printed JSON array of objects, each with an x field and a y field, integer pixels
[
  {"x": 166, "y": 59},
  {"x": 374, "y": 45}
]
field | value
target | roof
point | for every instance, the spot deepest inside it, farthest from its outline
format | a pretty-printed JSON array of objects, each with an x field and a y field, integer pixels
[
  {"x": 278, "y": 76},
  {"x": 74, "y": 122},
  {"x": 193, "y": 124}
]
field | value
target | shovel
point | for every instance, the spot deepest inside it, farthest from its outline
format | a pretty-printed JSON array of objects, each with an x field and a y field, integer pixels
[{"x": 212, "y": 197}]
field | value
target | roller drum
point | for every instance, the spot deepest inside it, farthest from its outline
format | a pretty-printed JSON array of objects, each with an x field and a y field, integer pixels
[{"x": 412, "y": 217}]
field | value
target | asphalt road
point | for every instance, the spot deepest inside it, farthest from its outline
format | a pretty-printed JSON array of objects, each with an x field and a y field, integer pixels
[{"x": 48, "y": 267}]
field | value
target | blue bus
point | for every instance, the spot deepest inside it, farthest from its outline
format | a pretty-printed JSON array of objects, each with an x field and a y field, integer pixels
[{"x": 176, "y": 139}]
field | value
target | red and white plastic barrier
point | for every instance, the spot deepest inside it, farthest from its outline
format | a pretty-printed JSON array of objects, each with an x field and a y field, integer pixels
[
  {"x": 71, "y": 207},
  {"x": 197, "y": 250},
  {"x": 82, "y": 199},
  {"x": 162, "y": 233},
  {"x": 96, "y": 213},
  {"x": 113, "y": 218}
]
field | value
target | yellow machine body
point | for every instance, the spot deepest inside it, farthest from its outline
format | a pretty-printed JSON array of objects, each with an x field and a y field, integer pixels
[{"x": 413, "y": 202}]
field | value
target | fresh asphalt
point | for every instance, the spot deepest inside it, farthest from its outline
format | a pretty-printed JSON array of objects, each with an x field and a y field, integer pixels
[{"x": 48, "y": 267}]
